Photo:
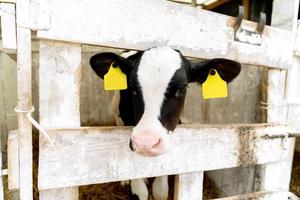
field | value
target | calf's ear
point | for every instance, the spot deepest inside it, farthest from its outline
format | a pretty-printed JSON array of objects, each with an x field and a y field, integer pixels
[
  {"x": 227, "y": 69},
  {"x": 101, "y": 63}
]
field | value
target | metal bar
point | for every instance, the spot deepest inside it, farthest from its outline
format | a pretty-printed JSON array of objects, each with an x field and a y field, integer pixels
[{"x": 282, "y": 136}]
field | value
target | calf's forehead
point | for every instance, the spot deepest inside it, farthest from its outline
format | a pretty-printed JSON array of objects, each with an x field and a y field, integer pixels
[{"x": 156, "y": 68}]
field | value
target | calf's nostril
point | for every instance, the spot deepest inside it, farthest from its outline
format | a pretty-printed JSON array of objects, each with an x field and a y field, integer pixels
[
  {"x": 157, "y": 144},
  {"x": 146, "y": 142},
  {"x": 131, "y": 145}
]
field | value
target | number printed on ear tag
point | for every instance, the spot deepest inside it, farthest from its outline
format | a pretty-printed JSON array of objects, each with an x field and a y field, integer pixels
[
  {"x": 214, "y": 86},
  {"x": 115, "y": 79}
]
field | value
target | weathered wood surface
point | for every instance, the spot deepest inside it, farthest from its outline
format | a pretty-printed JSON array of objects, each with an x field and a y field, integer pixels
[
  {"x": 95, "y": 155},
  {"x": 189, "y": 186},
  {"x": 294, "y": 89},
  {"x": 13, "y": 160},
  {"x": 59, "y": 81},
  {"x": 24, "y": 72},
  {"x": 259, "y": 196},
  {"x": 294, "y": 99},
  {"x": 24, "y": 103},
  {"x": 8, "y": 26},
  {"x": 197, "y": 33},
  {"x": 284, "y": 15}
]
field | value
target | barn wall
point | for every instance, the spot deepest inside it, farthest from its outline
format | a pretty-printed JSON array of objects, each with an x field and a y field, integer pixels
[
  {"x": 94, "y": 101},
  {"x": 8, "y": 98},
  {"x": 241, "y": 106}
]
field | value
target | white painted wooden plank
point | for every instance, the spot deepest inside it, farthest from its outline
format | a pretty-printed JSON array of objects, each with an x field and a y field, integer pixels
[
  {"x": 39, "y": 14},
  {"x": 197, "y": 33},
  {"x": 23, "y": 13},
  {"x": 24, "y": 73},
  {"x": 13, "y": 160},
  {"x": 259, "y": 196},
  {"x": 8, "y": 26},
  {"x": 60, "y": 75},
  {"x": 277, "y": 112},
  {"x": 95, "y": 155},
  {"x": 189, "y": 186},
  {"x": 24, "y": 103}
]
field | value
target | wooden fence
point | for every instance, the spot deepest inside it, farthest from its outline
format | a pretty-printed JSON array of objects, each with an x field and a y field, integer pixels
[{"x": 87, "y": 155}]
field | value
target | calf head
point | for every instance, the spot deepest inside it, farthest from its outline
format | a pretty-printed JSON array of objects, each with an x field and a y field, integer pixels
[{"x": 157, "y": 82}]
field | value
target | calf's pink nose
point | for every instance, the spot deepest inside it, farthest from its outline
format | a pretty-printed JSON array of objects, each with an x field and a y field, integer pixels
[{"x": 146, "y": 141}]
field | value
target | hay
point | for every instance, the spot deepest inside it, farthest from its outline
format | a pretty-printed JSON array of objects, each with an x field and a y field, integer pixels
[{"x": 295, "y": 181}]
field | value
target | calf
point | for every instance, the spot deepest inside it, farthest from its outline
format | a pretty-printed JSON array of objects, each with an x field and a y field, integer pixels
[{"x": 153, "y": 102}]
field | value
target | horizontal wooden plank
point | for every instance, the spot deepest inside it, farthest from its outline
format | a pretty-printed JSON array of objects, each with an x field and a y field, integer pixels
[
  {"x": 8, "y": 26},
  {"x": 141, "y": 24},
  {"x": 260, "y": 196},
  {"x": 101, "y": 154}
]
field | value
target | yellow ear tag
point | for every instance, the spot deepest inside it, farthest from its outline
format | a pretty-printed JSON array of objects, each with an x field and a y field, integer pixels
[
  {"x": 214, "y": 86},
  {"x": 115, "y": 79}
]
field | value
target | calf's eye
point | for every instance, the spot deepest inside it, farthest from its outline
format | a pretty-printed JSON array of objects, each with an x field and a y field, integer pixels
[
  {"x": 134, "y": 92},
  {"x": 180, "y": 92}
]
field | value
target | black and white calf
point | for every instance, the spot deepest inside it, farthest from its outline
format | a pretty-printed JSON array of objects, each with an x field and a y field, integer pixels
[{"x": 157, "y": 82}]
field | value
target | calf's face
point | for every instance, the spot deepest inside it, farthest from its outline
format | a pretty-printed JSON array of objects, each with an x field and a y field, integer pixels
[{"x": 157, "y": 82}]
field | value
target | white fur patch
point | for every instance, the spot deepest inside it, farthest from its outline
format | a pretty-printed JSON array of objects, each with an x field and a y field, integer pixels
[
  {"x": 139, "y": 188},
  {"x": 114, "y": 107},
  {"x": 156, "y": 69},
  {"x": 160, "y": 188},
  {"x": 126, "y": 54}
]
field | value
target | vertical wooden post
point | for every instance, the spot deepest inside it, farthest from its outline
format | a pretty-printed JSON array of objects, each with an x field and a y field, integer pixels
[
  {"x": 60, "y": 74},
  {"x": 189, "y": 186},
  {"x": 246, "y": 5},
  {"x": 24, "y": 103},
  {"x": 293, "y": 93},
  {"x": 277, "y": 175},
  {"x": 24, "y": 99}
]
